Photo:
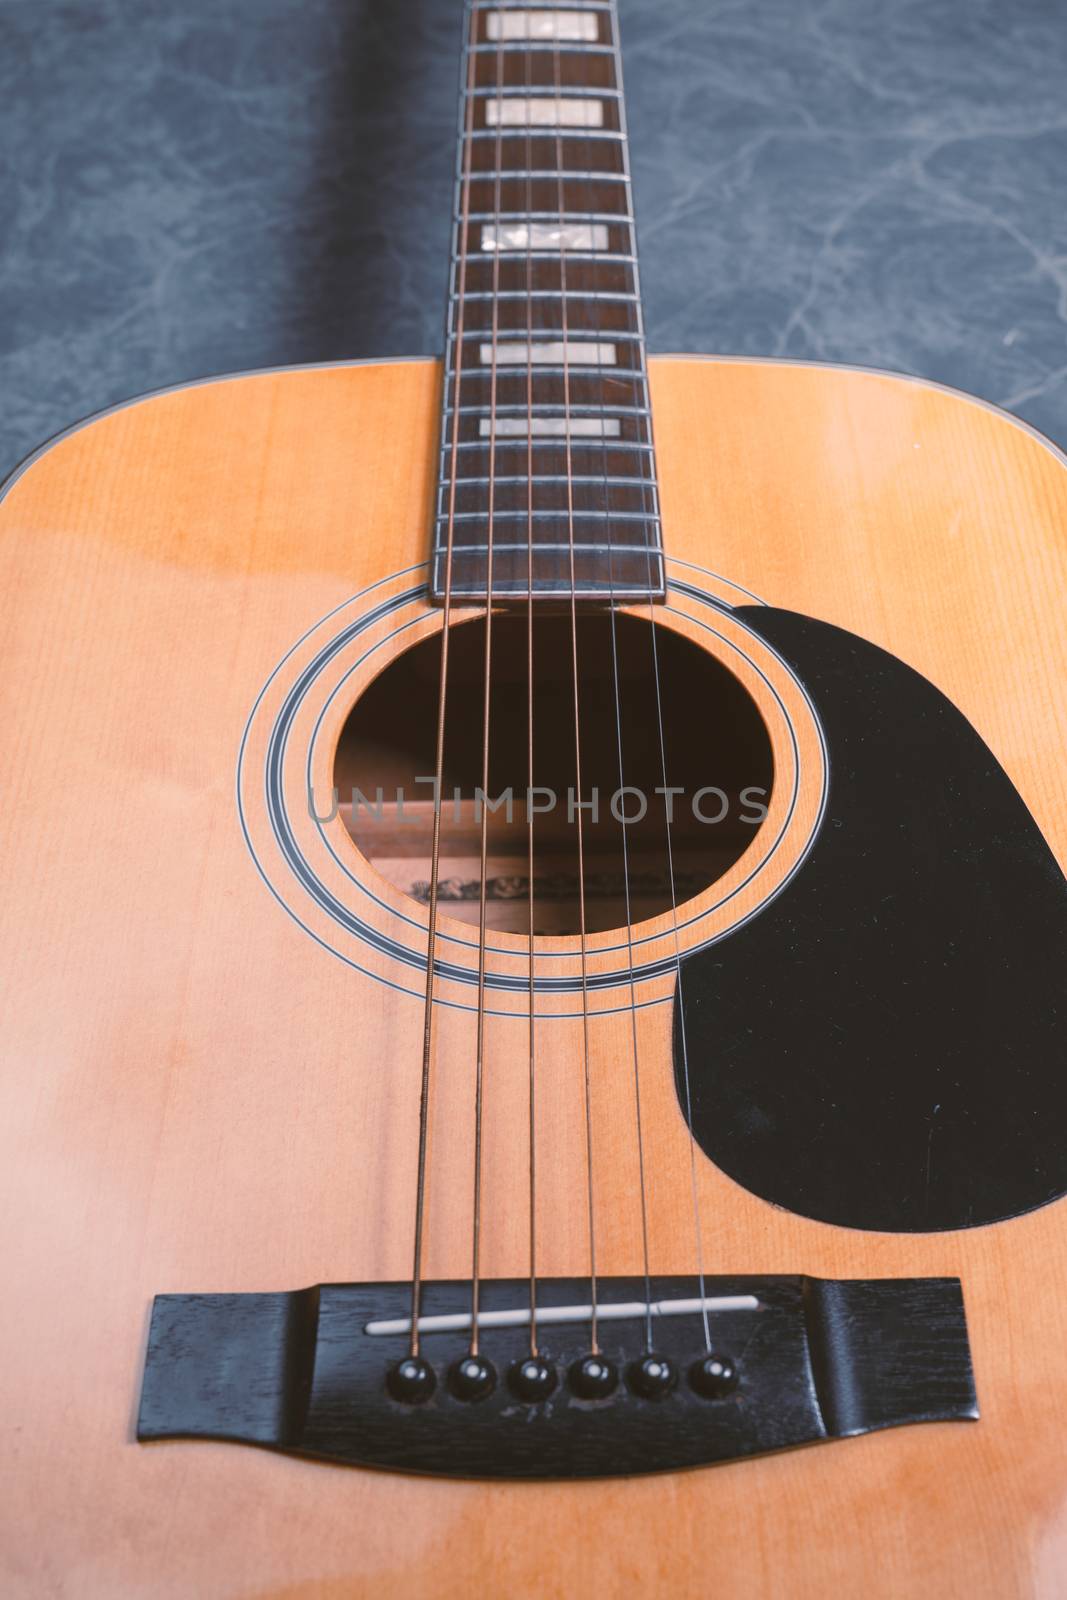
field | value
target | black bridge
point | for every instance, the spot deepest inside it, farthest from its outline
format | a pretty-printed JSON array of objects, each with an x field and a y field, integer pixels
[{"x": 796, "y": 1360}]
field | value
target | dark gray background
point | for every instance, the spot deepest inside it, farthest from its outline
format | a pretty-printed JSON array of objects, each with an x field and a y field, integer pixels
[{"x": 198, "y": 186}]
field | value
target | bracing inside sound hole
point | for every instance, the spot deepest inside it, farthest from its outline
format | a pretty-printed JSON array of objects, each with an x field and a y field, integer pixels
[{"x": 718, "y": 762}]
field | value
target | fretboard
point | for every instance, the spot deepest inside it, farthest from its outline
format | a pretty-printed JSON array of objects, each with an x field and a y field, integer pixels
[{"x": 547, "y": 481}]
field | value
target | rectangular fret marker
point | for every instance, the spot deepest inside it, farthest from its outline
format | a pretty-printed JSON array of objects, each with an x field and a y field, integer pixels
[
  {"x": 579, "y": 353},
  {"x": 574, "y": 25},
  {"x": 544, "y": 111},
  {"x": 549, "y": 428},
  {"x": 545, "y": 236}
]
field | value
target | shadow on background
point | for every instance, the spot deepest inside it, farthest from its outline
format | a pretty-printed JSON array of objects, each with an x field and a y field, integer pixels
[{"x": 378, "y": 265}]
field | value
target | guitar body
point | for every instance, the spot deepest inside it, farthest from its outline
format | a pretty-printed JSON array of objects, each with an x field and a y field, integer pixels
[{"x": 212, "y": 1080}]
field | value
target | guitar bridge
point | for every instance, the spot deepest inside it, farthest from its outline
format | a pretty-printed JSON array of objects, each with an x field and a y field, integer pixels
[{"x": 795, "y": 1360}]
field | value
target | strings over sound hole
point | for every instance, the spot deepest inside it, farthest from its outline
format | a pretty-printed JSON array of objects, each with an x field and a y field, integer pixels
[{"x": 695, "y": 779}]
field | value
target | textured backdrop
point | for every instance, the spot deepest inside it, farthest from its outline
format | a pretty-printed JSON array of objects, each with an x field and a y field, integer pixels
[{"x": 198, "y": 186}]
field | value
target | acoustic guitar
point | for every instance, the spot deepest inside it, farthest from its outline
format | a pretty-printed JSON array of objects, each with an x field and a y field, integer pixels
[{"x": 534, "y": 943}]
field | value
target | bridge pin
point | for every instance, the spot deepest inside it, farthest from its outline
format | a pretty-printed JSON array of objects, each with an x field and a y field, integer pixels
[
  {"x": 593, "y": 1378},
  {"x": 532, "y": 1379},
  {"x": 713, "y": 1376},
  {"x": 411, "y": 1380},
  {"x": 472, "y": 1377},
  {"x": 653, "y": 1376}
]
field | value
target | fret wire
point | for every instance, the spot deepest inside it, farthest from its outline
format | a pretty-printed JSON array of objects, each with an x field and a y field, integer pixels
[
  {"x": 501, "y": 91},
  {"x": 643, "y": 555},
  {"x": 541, "y": 133},
  {"x": 652, "y": 556},
  {"x": 578, "y": 175},
  {"x": 600, "y": 512},
  {"x": 623, "y": 214},
  {"x": 597, "y": 545},
  {"x": 607, "y": 371},
  {"x": 601, "y": 481},
  {"x": 587, "y": 370},
  {"x": 600, "y": 516},
  {"x": 546, "y": 408},
  {"x": 585, "y": 176},
  {"x": 546, "y": 335},
  {"x": 551, "y": 589},
  {"x": 469, "y": 582},
  {"x": 548, "y": 443},
  {"x": 621, "y": 219},
  {"x": 550, "y": 581},
  {"x": 612, "y": 256},
  {"x": 582, "y": 335},
  {"x": 472, "y": 571},
  {"x": 473, "y": 556},
  {"x": 547, "y": 294},
  {"x": 576, "y": 47},
  {"x": 507, "y": 579},
  {"x": 595, "y": 335},
  {"x": 548, "y": 585},
  {"x": 549, "y": 477},
  {"x": 482, "y": 10}
]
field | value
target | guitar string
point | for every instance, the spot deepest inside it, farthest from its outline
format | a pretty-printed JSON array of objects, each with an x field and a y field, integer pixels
[
  {"x": 611, "y": 18},
  {"x": 463, "y": 166},
  {"x": 679, "y": 988},
  {"x": 557, "y": 76},
  {"x": 648, "y": 492},
  {"x": 530, "y": 719},
  {"x": 479, "y": 1069}
]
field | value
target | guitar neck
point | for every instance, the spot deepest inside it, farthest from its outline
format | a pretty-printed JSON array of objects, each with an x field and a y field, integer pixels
[{"x": 547, "y": 484}]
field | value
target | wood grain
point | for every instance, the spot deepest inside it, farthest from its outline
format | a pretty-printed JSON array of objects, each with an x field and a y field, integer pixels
[{"x": 196, "y": 1096}]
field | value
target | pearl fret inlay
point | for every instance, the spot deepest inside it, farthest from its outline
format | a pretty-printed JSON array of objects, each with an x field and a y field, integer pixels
[
  {"x": 575, "y": 26},
  {"x": 550, "y": 353},
  {"x": 545, "y": 111},
  {"x": 545, "y": 236},
  {"x": 549, "y": 428}
]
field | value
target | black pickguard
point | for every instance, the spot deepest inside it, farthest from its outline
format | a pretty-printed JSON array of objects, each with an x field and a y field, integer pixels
[{"x": 884, "y": 1045}]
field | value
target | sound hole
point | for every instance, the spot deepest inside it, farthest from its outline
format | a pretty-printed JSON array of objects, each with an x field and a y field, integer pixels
[{"x": 718, "y": 758}]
